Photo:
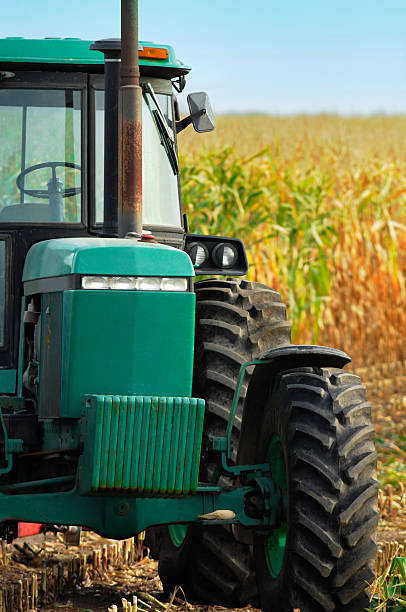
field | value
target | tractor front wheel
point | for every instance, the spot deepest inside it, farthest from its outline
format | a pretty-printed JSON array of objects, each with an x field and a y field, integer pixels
[
  {"x": 236, "y": 320},
  {"x": 316, "y": 435}
]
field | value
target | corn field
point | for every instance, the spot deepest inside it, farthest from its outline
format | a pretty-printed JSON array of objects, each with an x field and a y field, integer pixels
[{"x": 320, "y": 203}]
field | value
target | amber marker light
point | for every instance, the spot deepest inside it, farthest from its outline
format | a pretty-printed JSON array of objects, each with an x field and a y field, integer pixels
[{"x": 153, "y": 53}]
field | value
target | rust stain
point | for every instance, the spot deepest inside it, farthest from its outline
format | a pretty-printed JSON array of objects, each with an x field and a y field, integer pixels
[
  {"x": 130, "y": 164},
  {"x": 48, "y": 336},
  {"x": 132, "y": 170}
]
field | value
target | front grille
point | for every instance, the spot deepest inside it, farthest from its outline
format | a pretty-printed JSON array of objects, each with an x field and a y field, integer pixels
[{"x": 139, "y": 444}]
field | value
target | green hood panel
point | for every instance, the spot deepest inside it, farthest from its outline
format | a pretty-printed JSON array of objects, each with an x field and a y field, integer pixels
[{"x": 106, "y": 256}]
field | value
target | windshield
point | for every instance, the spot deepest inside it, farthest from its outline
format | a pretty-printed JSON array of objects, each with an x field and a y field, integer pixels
[
  {"x": 40, "y": 155},
  {"x": 160, "y": 192}
]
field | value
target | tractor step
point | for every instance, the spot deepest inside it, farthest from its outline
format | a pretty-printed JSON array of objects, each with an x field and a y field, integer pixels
[{"x": 145, "y": 445}]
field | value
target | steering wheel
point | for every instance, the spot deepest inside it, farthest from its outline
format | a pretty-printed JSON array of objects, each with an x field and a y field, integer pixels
[{"x": 44, "y": 193}]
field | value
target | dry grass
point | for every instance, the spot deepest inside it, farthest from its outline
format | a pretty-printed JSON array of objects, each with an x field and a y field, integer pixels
[{"x": 350, "y": 140}]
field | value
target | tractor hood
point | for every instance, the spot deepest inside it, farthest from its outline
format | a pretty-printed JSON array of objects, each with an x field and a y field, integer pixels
[{"x": 105, "y": 256}]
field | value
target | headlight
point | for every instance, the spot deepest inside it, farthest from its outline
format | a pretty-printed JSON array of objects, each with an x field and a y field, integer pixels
[
  {"x": 224, "y": 255},
  {"x": 137, "y": 283},
  {"x": 148, "y": 283},
  {"x": 174, "y": 284},
  {"x": 95, "y": 282},
  {"x": 198, "y": 253},
  {"x": 123, "y": 283}
]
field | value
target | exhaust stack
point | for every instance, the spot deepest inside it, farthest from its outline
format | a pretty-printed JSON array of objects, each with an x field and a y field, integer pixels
[{"x": 130, "y": 126}]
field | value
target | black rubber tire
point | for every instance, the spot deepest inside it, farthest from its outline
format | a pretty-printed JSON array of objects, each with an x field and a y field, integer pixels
[
  {"x": 324, "y": 424},
  {"x": 236, "y": 320}
]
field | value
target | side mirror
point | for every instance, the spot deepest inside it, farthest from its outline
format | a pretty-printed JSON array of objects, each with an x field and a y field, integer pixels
[{"x": 201, "y": 113}]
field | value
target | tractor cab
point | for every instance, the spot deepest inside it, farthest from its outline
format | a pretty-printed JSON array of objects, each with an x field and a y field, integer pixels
[
  {"x": 59, "y": 154},
  {"x": 52, "y": 132}
]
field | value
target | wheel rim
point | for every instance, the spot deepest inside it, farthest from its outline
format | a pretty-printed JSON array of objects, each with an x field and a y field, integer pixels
[
  {"x": 177, "y": 533},
  {"x": 275, "y": 544}
]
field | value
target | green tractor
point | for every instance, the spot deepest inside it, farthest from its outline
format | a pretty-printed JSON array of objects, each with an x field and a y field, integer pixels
[{"x": 133, "y": 397}]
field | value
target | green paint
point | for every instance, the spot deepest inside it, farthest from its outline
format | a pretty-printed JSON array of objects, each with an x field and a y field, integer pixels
[
  {"x": 177, "y": 533},
  {"x": 124, "y": 343},
  {"x": 275, "y": 544},
  {"x": 143, "y": 445},
  {"x": 176, "y": 430},
  {"x": 126, "y": 410},
  {"x": 118, "y": 516},
  {"x": 106, "y": 421},
  {"x": 8, "y": 381},
  {"x": 133, "y": 446},
  {"x": 169, "y": 441},
  {"x": 149, "y": 435},
  {"x": 105, "y": 256},
  {"x": 236, "y": 399},
  {"x": 276, "y": 459},
  {"x": 71, "y": 51}
]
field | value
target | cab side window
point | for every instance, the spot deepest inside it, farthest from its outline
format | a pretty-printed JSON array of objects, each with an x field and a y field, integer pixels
[{"x": 40, "y": 155}]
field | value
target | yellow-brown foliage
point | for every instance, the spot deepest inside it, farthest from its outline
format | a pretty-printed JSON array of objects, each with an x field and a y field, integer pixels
[{"x": 322, "y": 211}]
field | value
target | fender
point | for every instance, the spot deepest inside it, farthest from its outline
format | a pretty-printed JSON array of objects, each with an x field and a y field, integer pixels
[
  {"x": 297, "y": 356},
  {"x": 270, "y": 364}
]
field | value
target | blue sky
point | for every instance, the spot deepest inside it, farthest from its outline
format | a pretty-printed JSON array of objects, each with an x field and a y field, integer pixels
[{"x": 276, "y": 56}]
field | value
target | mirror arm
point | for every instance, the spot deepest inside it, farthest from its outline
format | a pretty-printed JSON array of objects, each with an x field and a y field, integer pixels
[{"x": 183, "y": 123}]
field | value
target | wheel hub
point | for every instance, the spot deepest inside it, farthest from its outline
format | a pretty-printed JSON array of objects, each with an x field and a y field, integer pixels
[
  {"x": 275, "y": 543},
  {"x": 177, "y": 534}
]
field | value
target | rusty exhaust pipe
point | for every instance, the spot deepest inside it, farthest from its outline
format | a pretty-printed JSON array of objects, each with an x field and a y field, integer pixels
[{"x": 130, "y": 126}]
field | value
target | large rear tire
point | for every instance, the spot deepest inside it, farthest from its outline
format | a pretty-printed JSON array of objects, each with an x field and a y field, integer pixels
[
  {"x": 317, "y": 436},
  {"x": 236, "y": 320}
]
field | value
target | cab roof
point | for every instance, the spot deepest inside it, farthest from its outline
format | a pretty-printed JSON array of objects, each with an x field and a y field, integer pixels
[{"x": 72, "y": 52}]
